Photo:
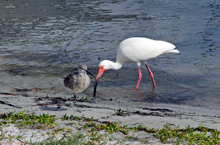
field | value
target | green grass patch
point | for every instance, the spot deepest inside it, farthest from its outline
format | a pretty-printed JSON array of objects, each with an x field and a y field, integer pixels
[
  {"x": 22, "y": 119},
  {"x": 190, "y": 135},
  {"x": 89, "y": 130}
]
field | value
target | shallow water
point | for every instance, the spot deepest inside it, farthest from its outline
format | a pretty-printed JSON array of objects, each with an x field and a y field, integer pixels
[{"x": 50, "y": 38}]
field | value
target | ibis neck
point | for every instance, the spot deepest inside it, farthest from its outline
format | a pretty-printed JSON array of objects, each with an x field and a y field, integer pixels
[{"x": 116, "y": 65}]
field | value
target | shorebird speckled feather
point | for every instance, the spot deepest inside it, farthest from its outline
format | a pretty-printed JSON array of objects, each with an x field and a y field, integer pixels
[{"x": 78, "y": 81}]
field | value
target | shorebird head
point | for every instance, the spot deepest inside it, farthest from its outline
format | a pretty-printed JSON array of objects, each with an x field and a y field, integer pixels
[{"x": 83, "y": 69}]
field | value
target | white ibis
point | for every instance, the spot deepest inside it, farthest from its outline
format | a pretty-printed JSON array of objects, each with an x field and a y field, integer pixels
[
  {"x": 78, "y": 81},
  {"x": 136, "y": 50}
]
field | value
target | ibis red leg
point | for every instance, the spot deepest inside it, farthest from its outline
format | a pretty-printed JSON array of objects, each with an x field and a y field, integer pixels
[
  {"x": 139, "y": 77},
  {"x": 151, "y": 75}
]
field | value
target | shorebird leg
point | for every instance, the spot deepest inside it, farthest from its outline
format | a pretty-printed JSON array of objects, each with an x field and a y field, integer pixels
[
  {"x": 151, "y": 75},
  {"x": 74, "y": 96},
  {"x": 139, "y": 77}
]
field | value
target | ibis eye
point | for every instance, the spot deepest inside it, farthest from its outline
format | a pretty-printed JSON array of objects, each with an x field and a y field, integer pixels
[{"x": 101, "y": 67}]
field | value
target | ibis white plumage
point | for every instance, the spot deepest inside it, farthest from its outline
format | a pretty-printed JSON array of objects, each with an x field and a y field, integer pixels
[{"x": 136, "y": 50}]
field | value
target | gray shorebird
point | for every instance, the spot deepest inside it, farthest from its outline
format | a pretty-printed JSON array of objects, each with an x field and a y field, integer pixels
[{"x": 78, "y": 81}]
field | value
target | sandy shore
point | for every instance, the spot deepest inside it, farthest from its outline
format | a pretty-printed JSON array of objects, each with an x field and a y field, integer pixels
[
  {"x": 56, "y": 101},
  {"x": 103, "y": 111}
]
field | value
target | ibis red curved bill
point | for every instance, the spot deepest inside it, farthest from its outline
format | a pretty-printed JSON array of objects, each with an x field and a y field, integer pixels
[{"x": 101, "y": 70}]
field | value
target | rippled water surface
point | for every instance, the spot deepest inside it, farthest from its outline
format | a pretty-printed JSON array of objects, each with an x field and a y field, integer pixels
[{"x": 50, "y": 38}]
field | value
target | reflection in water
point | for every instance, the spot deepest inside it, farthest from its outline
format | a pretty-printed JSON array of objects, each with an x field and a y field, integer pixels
[
  {"x": 142, "y": 96},
  {"x": 50, "y": 38}
]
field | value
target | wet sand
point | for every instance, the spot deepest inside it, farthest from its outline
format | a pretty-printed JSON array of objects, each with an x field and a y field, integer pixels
[{"x": 39, "y": 99}]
